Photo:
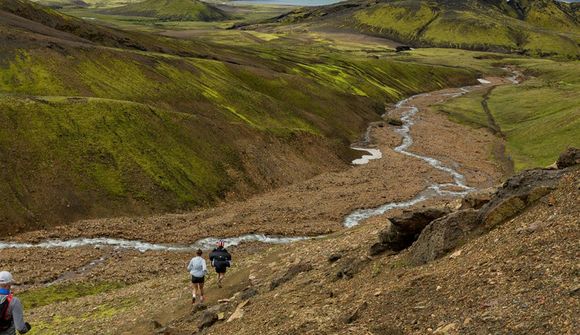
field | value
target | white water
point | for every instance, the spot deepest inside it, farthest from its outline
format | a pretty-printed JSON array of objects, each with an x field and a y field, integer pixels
[
  {"x": 350, "y": 221},
  {"x": 374, "y": 154},
  {"x": 483, "y": 81},
  {"x": 206, "y": 243}
]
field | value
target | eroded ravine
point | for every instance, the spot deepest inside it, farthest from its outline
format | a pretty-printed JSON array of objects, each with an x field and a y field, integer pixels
[{"x": 405, "y": 108}]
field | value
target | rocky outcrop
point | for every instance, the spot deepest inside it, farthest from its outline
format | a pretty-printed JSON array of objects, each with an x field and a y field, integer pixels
[
  {"x": 517, "y": 193},
  {"x": 513, "y": 197},
  {"x": 568, "y": 158},
  {"x": 477, "y": 199},
  {"x": 443, "y": 235},
  {"x": 403, "y": 230}
]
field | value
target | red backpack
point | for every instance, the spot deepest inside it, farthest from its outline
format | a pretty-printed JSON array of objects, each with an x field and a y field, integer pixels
[{"x": 5, "y": 318}]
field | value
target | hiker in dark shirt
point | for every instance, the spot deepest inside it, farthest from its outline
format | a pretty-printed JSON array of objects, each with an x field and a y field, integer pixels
[
  {"x": 11, "y": 311},
  {"x": 220, "y": 259}
]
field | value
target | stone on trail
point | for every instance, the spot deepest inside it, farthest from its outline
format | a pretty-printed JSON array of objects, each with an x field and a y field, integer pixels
[
  {"x": 248, "y": 293},
  {"x": 199, "y": 307},
  {"x": 517, "y": 193},
  {"x": 352, "y": 317},
  {"x": 334, "y": 257},
  {"x": 208, "y": 319},
  {"x": 446, "y": 330},
  {"x": 239, "y": 312}
]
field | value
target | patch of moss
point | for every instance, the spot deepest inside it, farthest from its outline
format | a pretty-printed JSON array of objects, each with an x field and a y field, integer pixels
[{"x": 64, "y": 292}]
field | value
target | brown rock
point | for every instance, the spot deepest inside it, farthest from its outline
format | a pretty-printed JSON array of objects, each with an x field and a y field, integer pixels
[
  {"x": 568, "y": 158},
  {"x": 208, "y": 319},
  {"x": 477, "y": 199},
  {"x": 403, "y": 230},
  {"x": 518, "y": 193},
  {"x": 352, "y": 317},
  {"x": 443, "y": 235},
  {"x": 394, "y": 121},
  {"x": 446, "y": 330}
]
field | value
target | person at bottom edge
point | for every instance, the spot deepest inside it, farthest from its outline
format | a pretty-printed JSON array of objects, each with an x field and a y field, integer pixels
[
  {"x": 198, "y": 269},
  {"x": 220, "y": 259},
  {"x": 11, "y": 311}
]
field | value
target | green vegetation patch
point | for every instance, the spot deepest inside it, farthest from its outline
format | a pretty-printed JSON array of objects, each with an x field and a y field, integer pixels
[
  {"x": 171, "y": 10},
  {"x": 540, "y": 117},
  {"x": 466, "y": 109},
  {"x": 64, "y": 292}
]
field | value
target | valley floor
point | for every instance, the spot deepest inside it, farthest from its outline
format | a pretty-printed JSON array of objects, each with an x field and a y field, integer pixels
[{"x": 317, "y": 206}]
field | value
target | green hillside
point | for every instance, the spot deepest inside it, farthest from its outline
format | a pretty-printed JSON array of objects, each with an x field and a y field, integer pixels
[
  {"x": 539, "y": 118},
  {"x": 533, "y": 27},
  {"x": 58, "y": 4},
  {"x": 171, "y": 10}
]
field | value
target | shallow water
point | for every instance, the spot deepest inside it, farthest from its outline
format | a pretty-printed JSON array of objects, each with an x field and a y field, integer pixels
[{"x": 374, "y": 154}]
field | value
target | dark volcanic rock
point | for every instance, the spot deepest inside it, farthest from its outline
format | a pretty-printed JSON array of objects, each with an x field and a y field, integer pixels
[
  {"x": 394, "y": 121},
  {"x": 568, "y": 158},
  {"x": 248, "y": 293},
  {"x": 516, "y": 194},
  {"x": 208, "y": 319},
  {"x": 334, "y": 257},
  {"x": 443, "y": 235},
  {"x": 403, "y": 230}
]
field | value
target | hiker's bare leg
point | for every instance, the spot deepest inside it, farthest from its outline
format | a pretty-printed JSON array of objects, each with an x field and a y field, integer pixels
[{"x": 201, "y": 296}]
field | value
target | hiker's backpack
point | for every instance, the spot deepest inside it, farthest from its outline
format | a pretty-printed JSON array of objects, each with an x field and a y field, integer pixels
[{"x": 5, "y": 317}]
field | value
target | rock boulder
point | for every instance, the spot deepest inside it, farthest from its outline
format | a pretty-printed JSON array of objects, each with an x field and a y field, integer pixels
[{"x": 568, "y": 158}]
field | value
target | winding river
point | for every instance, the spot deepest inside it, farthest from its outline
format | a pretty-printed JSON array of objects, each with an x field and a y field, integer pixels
[{"x": 406, "y": 109}]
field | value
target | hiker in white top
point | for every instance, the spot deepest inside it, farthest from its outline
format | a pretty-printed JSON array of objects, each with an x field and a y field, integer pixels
[{"x": 198, "y": 269}]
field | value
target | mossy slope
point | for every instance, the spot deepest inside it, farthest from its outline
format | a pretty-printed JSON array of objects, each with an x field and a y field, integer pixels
[
  {"x": 534, "y": 27},
  {"x": 173, "y": 10}
]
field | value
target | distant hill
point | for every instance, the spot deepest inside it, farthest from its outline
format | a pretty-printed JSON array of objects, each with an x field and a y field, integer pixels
[
  {"x": 537, "y": 27},
  {"x": 171, "y": 10},
  {"x": 58, "y": 4}
]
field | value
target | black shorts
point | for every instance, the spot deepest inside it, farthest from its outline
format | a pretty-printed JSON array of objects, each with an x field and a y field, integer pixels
[
  {"x": 197, "y": 280},
  {"x": 221, "y": 269}
]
